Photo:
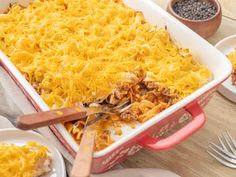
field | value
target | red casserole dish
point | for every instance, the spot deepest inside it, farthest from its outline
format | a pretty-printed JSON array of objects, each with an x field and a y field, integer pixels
[{"x": 147, "y": 135}]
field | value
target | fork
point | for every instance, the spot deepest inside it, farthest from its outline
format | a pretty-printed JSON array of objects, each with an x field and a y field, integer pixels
[
  {"x": 225, "y": 153},
  {"x": 40, "y": 119}
]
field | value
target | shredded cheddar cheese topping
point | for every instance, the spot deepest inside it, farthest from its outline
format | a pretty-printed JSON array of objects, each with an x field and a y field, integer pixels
[
  {"x": 21, "y": 161},
  {"x": 232, "y": 58},
  {"x": 80, "y": 51}
]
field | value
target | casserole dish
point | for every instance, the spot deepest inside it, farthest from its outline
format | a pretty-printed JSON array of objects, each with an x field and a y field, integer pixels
[{"x": 147, "y": 135}]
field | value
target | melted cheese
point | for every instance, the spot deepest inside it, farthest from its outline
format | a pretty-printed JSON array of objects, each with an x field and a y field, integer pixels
[
  {"x": 21, "y": 161},
  {"x": 232, "y": 58}
]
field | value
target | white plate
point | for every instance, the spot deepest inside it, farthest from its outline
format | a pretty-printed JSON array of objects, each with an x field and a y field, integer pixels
[
  {"x": 227, "y": 46},
  {"x": 18, "y": 137}
]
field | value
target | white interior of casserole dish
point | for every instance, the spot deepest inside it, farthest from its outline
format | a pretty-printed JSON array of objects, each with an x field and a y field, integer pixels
[{"x": 201, "y": 50}]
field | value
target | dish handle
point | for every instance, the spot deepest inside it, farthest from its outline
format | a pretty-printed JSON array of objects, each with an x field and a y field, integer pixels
[{"x": 198, "y": 120}]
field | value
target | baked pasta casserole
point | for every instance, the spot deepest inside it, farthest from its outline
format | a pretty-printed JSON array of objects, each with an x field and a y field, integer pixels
[{"x": 98, "y": 52}]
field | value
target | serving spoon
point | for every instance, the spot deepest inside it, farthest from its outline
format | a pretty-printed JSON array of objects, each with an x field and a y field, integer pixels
[
  {"x": 83, "y": 160},
  {"x": 40, "y": 119}
]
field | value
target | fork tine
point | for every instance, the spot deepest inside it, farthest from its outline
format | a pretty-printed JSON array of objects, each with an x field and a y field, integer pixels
[
  {"x": 125, "y": 108},
  {"x": 222, "y": 161},
  {"x": 221, "y": 142},
  {"x": 233, "y": 161},
  {"x": 122, "y": 104},
  {"x": 232, "y": 140},
  {"x": 125, "y": 105},
  {"x": 223, "y": 151},
  {"x": 228, "y": 143},
  {"x": 96, "y": 118}
]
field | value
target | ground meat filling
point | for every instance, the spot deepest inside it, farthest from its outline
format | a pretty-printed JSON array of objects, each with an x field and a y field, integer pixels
[{"x": 144, "y": 95}]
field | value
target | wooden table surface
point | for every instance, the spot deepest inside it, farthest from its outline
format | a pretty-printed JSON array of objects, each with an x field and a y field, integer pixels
[{"x": 190, "y": 159}]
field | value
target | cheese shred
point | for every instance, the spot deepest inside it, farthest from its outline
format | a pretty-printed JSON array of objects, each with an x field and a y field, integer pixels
[{"x": 232, "y": 58}]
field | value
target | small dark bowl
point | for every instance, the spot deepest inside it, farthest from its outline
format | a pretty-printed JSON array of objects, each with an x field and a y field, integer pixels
[{"x": 204, "y": 28}]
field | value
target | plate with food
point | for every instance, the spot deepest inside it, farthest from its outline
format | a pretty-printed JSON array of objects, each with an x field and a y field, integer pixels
[
  {"x": 228, "y": 47},
  {"x": 26, "y": 153}
]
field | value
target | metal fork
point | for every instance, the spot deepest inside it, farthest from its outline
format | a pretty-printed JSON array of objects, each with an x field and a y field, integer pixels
[
  {"x": 103, "y": 112},
  {"x": 225, "y": 153}
]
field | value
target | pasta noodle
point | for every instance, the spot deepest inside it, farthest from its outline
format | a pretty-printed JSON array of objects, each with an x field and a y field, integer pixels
[{"x": 84, "y": 51}]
